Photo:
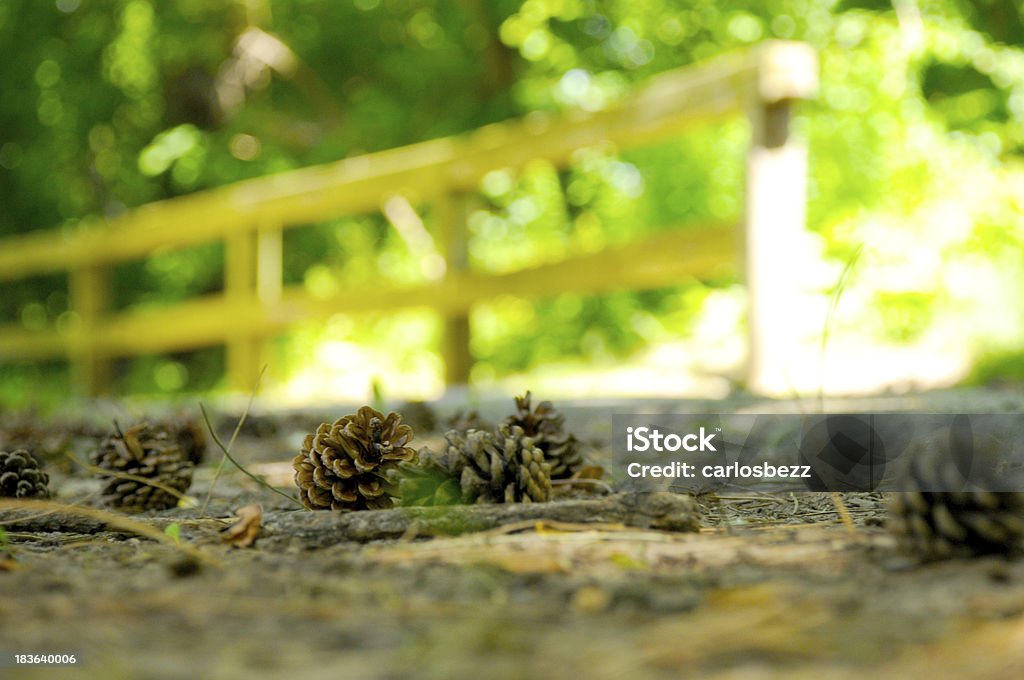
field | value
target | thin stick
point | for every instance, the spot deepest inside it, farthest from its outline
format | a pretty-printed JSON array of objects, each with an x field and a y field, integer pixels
[
  {"x": 256, "y": 478},
  {"x": 814, "y": 513},
  {"x": 833, "y": 306},
  {"x": 230, "y": 442},
  {"x": 540, "y": 525},
  {"x": 124, "y": 475},
  {"x": 213, "y": 484},
  {"x": 112, "y": 519},
  {"x": 235, "y": 434},
  {"x": 46, "y": 513}
]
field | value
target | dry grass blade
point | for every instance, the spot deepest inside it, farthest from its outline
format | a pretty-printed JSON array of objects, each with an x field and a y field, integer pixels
[
  {"x": 45, "y": 513},
  {"x": 833, "y": 306},
  {"x": 843, "y": 511},
  {"x": 234, "y": 436},
  {"x": 112, "y": 519},
  {"x": 227, "y": 454},
  {"x": 124, "y": 475},
  {"x": 554, "y": 526}
]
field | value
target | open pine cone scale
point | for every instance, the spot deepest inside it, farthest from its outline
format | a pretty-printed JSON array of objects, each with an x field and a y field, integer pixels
[
  {"x": 545, "y": 424},
  {"x": 142, "y": 468},
  {"x": 345, "y": 465}
]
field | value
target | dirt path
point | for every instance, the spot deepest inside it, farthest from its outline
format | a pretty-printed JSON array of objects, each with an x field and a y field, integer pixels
[
  {"x": 770, "y": 586},
  {"x": 802, "y": 601}
]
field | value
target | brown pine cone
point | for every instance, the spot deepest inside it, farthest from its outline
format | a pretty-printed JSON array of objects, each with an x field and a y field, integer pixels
[
  {"x": 933, "y": 522},
  {"x": 348, "y": 465},
  {"x": 190, "y": 435},
  {"x": 143, "y": 468},
  {"x": 500, "y": 468},
  {"x": 546, "y": 426},
  {"x": 21, "y": 475}
]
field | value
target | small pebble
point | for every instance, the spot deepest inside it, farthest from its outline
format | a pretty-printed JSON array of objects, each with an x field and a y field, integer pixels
[{"x": 185, "y": 567}]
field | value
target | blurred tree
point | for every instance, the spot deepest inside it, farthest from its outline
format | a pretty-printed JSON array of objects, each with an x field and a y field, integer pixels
[{"x": 111, "y": 105}]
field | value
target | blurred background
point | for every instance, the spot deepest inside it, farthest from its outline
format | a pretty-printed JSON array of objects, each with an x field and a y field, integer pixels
[{"x": 914, "y": 210}]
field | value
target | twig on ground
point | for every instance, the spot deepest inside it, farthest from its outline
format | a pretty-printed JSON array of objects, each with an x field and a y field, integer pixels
[
  {"x": 543, "y": 525},
  {"x": 109, "y": 518}
]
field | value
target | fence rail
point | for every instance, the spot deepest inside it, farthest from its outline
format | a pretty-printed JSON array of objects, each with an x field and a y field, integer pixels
[{"x": 249, "y": 217}]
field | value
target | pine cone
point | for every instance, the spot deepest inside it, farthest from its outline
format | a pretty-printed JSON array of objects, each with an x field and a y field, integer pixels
[
  {"x": 433, "y": 480},
  {"x": 190, "y": 435},
  {"x": 21, "y": 475},
  {"x": 151, "y": 453},
  {"x": 500, "y": 468},
  {"x": 942, "y": 524},
  {"x": 348, "y": 465},
  {"x": 545, "y": 425},
  {"x": 464, "y": 421},
  {"x": 419, "y": 415}
]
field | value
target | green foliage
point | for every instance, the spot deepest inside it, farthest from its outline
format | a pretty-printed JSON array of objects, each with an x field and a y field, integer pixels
[
  {"x": 999, "y": 368},
  {"x": 40, "y": 386},
  {"x": 174, "y": 531},
  {"x": 904, "y": 316},
  {"x": 112, "y": 105}
]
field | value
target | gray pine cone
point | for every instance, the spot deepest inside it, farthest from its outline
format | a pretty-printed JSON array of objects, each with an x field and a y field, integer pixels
[
  {"x": 935, "y": 524},
  {"x": 546, "y": 426},
  {"x": 464, "y": 421},
  {"x": 505, "y": 467}
]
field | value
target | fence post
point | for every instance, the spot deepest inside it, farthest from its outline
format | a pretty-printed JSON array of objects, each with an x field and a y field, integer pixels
[
  {"x": 269, "y": 263},
  {"x": 89, "y": 288},
  {"x": 243, "y": 346},
  {"x": 775, "y": 212},
  {"x": 451, "y": 211}
]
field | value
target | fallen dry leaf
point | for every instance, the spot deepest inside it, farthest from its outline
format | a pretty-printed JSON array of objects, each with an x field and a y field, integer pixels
[
  {"x": 246, "y": 530},
  {"x": 131, "y": 440}
]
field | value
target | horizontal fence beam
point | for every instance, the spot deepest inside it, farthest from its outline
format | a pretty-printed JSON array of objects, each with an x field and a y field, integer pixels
[
  {"x": 20, "y": 344},
  {"x": 661, "y": 260},
  {"x": 773, "y": 71}
]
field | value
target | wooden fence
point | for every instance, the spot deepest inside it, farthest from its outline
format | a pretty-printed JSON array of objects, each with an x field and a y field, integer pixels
[{"x": 761, "y": 84}]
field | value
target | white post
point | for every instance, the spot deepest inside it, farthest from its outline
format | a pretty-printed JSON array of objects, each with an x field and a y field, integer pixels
[{"x": 776, "y": 198}]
